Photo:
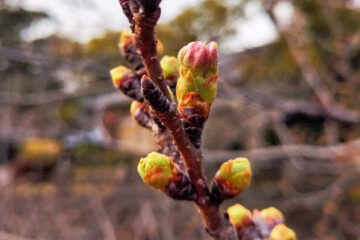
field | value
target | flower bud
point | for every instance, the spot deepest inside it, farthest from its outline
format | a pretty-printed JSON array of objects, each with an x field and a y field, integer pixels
[
  {"x": 126, "y": 40},
  {"x": 119, "y": 75},
  {"x": 135, "y": 105},
  {"x": 170, "y": 67},
  {"x": 156, "y": 169},
  {"x": 281, "y": 232},
  {"x": 272, "y": 216},
  {"x": 239, "y": 215},
  {"x": 199, "y": 54},
  {"x": 198, "y": 70},
  {"x": 232, "y": 178}
]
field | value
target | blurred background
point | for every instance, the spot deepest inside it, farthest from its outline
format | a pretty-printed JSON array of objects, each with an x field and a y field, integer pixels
[{"x": 288, "y": 99}]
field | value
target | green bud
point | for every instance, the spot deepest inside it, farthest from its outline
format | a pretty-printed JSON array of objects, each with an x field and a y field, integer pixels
[
  {"x": 125, "y": 41},
  {"x": 198, "y": 71},
  {"x": 234, "y": 175},
  {"x": 282, "y": 232},
  {"x": 170, "y": 67},
  {"x": 135, "y": 105},
  {"x": 239, "y": 216},
  {"x": 156, "y": 169}
]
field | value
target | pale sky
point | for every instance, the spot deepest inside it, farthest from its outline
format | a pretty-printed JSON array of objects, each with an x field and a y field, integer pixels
[{"x": 84, "y": 19}]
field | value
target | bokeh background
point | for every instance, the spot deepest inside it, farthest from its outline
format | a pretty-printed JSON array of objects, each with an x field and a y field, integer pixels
[{"x": 288, "y": 99}]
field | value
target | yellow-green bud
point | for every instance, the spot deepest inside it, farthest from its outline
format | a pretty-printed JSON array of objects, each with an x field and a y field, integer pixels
[
  {"x": 119, "y": 75},
  {"x": 272, "y": 216},
  {"x": 170, "y": 66},
  {"x": 156, "y": 169},
  {"x": 126, "y": 40},
  {"x": 239, "y": 216},
  {"x": 198, "y": 70},
  {"x": 234, "y": 175},
  {"x": 135, "y": 105},
  {"x": 282, "y": 232}
]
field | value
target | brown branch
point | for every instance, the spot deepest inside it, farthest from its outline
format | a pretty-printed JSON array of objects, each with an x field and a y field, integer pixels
[
  {"x": 49, "y": 97},
  {"x": 262, "y": 155},
  {"x": 309, "y": 73},
  {"x": 216, "y": 224},
  {"x": 315, "y": 200},
  {"x": 259, "y": 99},
  {"x": 24, "y": 56},
  {"x": 143, "y": 16},
  {"x": 144, "y": 22}
]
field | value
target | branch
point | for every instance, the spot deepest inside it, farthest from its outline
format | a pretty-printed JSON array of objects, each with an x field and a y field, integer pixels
[
  {"x": 143, "y": 16},
  {"x": 262, "y": 155},
  {"x": 288, "y": 106},
  {"x": 49, "y": 97},
  {"x": 310, "y": 74},
  {"x": 24, "y": 56}
]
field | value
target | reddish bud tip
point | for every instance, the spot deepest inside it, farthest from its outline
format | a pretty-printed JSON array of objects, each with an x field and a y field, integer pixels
[{"x": 199, "y": 54}]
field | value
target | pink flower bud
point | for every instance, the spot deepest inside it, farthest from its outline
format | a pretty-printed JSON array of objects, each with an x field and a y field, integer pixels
[
  {"x": 198, "y": 71},
  {"x": 199, "y": 54}
]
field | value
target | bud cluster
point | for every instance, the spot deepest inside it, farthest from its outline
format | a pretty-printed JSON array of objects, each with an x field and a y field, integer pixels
[
  {"x": 267, "y": 223},
  {"x": 194, "y": 73}
]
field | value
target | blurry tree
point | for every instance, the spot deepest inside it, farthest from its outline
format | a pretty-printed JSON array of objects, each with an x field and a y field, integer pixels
[
  {"x": 19, "y": 19},
  {"x": 209, "y": 20}
]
